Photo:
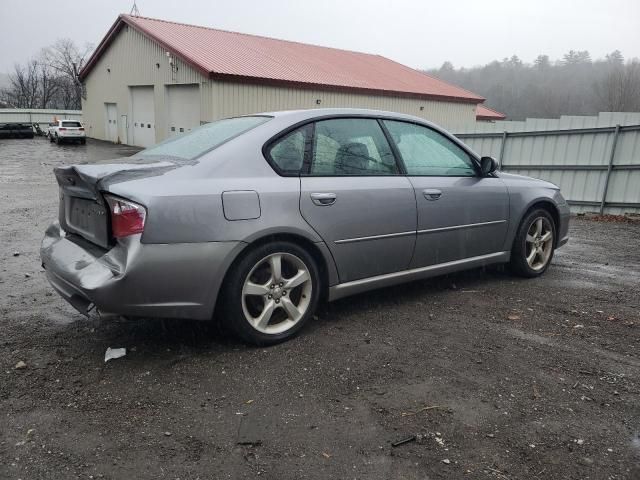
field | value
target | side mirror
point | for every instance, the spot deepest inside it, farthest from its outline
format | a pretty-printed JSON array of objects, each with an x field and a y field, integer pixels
[{"x": 488, "y": 165}]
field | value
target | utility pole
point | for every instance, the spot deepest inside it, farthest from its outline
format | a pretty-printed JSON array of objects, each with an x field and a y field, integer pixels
[{"x": 134, "y": 10}]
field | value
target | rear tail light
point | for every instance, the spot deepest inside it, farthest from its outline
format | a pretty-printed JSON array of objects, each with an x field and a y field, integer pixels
[
  {"x": 81, "y": 128},
  {"x": 62, "y": 128},
  {"x": 127, "y": 217}
]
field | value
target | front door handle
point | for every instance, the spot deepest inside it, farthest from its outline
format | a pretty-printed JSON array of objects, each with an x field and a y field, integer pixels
[
  {"x": 432, "y": 193},
  {"x": 323, "y": 199}
]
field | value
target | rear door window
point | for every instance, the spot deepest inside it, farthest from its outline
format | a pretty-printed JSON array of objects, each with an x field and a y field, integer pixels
[{"x": 351, "y": 146}]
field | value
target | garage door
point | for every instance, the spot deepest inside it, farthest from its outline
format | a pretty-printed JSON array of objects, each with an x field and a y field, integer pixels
[
  {"x": 143, "y": 126},
  {"x": 183, "y": 108}
]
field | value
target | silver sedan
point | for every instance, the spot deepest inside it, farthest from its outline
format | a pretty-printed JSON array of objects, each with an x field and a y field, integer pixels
[{"x": 253, "y": 220}]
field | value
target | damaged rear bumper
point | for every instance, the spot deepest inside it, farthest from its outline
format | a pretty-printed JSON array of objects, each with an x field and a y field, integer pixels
[{"x": 135, "y": 279}]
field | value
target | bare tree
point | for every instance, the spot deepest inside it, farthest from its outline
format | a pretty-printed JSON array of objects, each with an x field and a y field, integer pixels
[
  {"x": 23, "y": 91},
  {"x": 49, "y": 85},
  {"x": 67, "y": 59},
  {"x": 620, "y": 89},
  {"x": 50, "y": 80}
]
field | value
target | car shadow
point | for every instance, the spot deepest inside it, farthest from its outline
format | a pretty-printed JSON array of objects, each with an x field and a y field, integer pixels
[
  {"x": 431, "y": 289},
  {"x": 152, "y": 336}
]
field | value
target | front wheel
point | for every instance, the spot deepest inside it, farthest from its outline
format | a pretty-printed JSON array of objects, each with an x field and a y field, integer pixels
[
  {"x": 534, "y": 244},
  {"x": 271, "y": 293}
]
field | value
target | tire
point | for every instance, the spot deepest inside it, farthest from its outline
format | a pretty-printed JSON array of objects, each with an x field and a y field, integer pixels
[
  {"x": 534, "y": 228},
  {"x": 271, "y": 300},
  {"x": 83, "y": 141}
]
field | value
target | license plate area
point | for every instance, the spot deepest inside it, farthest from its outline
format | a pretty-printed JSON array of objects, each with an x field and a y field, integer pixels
[{"x": 87, "y": 218}]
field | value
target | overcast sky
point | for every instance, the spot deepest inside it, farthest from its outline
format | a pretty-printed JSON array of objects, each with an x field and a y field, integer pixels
[{"x": 418, "y": 33}]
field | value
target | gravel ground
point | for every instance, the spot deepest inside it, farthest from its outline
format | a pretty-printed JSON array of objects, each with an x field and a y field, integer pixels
[{"x": 499, "y": 377}]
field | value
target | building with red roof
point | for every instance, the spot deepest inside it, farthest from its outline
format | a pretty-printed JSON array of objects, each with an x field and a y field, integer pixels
[
  {"x": 149, "y": 79},
  {"x": 486, "y": 114}
]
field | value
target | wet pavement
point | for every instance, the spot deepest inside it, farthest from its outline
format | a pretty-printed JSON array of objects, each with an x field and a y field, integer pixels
[{"x": 499, "y": 377}]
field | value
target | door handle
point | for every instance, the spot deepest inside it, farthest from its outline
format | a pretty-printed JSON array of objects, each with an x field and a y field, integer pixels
[
  {"x": 432, "y": 193},
  {"x": 323, "y": 199}
]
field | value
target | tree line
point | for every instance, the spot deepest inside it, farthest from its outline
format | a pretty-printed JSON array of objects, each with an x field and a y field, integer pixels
[
  {"x": 573, "y": 85},
  {"x": 49, "y": 80}
]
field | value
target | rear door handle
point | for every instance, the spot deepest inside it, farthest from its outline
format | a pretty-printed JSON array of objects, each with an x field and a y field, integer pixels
[
  {"x": 323, "y": 199},
  {"x": 432, "y": 193}
]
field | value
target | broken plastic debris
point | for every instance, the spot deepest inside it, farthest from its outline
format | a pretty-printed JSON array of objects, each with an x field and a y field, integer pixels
[
  {"x": 20, "y": 365},
  {"x": 113, "y": 353}
]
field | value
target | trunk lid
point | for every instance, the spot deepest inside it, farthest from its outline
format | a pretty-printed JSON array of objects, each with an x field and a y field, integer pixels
[{"x": 82, "y": 209}]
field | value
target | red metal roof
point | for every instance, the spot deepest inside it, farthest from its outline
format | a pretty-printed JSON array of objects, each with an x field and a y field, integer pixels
[
  {"x": 250, "y": 58},
  {"x": 485, "y": 113}
]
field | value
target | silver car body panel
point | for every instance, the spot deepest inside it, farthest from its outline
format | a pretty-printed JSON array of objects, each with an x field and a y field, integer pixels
[
  {"x": 469, "y": 218},
  {"x": 524, "y": 192},
  {"x": 202, "y": 214},
  {"x": 371, "y": 209},
  {"x": 380, "y": 281},
  {"x": 131, "y": 278}
]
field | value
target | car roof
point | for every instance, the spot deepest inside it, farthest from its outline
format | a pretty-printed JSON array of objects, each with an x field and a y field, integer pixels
[
  {"x": 300, "y": 115},
  {"x": 290, "y": 118}
]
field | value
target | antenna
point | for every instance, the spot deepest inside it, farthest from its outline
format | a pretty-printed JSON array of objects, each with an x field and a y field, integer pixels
[{"x": 134, "y": 10}]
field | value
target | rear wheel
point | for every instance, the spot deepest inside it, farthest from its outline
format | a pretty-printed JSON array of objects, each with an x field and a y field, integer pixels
[
  {"x": 271, "y": 293},
  {"x": 83, "y": 141},
  {"x": 534, "y": 244}
]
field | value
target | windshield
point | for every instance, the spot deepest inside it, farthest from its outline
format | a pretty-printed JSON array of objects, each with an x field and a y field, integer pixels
[{"x": 203, "y": 139}]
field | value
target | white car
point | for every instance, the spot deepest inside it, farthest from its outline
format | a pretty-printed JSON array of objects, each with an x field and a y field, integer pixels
[{"x": 66, "y": 131}]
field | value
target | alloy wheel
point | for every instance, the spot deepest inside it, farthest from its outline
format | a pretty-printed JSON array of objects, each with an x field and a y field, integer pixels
[
  {"x": 276, "y": 293},
  {"x": 539, "y": 243}
]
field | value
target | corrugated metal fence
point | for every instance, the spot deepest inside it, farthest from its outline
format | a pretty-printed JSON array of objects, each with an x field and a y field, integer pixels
[
  {"x": 594, "y": 160},
  {"x": 41, "y": 116}
]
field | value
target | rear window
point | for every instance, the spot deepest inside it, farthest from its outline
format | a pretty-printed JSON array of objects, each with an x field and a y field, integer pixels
[
  {"x": 203, "y": 139},
  {"x": 71, "y": 124}
]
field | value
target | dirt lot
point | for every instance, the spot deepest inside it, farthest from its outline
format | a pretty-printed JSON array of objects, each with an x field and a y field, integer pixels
[{"x": 500, "y": 377}]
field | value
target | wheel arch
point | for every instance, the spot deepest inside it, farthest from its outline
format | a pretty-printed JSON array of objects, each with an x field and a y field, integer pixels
[
  {"x": 318, "y": 250},
  {"x": 551, "y": 208}
]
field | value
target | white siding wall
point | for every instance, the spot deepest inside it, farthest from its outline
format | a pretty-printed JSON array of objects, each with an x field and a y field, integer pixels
[
  {"x": 132, "y": 59},
  {"x": 237, "y": 99}
]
